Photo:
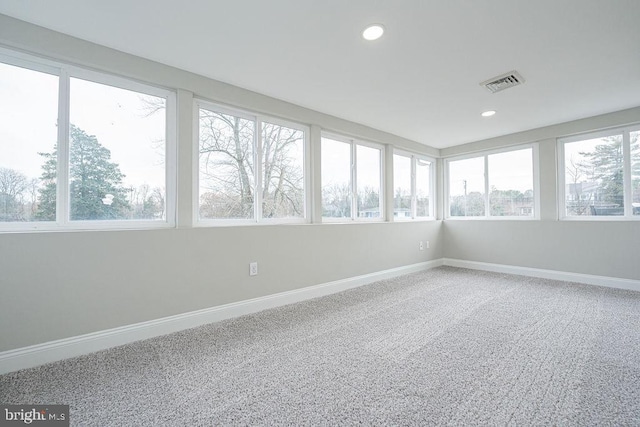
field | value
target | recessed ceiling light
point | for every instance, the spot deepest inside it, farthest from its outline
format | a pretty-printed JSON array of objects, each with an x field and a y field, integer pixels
[
  {"x": 373, "y": 32},
  {"x": 488, "y": 113}
]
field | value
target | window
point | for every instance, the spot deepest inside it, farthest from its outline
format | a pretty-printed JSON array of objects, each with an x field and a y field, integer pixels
[
  {"x": 80, "y": 149},
  {"x": 601, "y": 175},
  {"x": 351, "y": 180},
  {"x": 29, "y": 111},
  {"x": 424, "y": 178},
  {"x": 466, "y": 187},
  {"x": 368, "y": 183},
  {"x": 232, "y": 185},
  {"x": 117, "y": 153},
  {"x": 412, "y": 186},
  {"x": 402, "y": 189},
  {"x": 283, "y": 161},
  {"x": 511, "y": 183},
  {"x": 336, "y": 179},
  {"x": 499, "y": 184}
]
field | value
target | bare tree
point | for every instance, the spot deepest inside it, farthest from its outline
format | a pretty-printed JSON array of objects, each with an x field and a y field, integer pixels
[
  {"x": 13, "y": 185},
  {"x": 577, "y": 171},
  {"x": 32, "y": 193},
  {"x": 12, "y": 182},
  {"x": 283, "y": 182},
  {"x": 336, "y": 200},
  {"x": 228, "y": 167},
  {"x": 146, "y": 203}
]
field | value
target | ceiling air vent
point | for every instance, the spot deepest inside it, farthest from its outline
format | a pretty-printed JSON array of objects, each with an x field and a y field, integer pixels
[{"x": 502, "y": 82}]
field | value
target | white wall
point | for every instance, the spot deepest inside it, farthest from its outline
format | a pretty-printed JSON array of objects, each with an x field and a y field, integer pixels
[
  {"x": 602, "y": 248},
  {"x": 62, "y": 284},
  {"x": 57, "y": 285}
]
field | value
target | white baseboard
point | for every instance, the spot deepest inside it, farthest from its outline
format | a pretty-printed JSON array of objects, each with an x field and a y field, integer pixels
[
  {"x": 589, "y": 279},
  {"x": 39, "y": 354}
]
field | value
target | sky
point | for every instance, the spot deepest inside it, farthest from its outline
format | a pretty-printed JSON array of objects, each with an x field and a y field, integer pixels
[
  {"x": 118, "y": 118},
  {"x": 336, "y": 164},
  {"x": 512, "y": 170},
  {"x": 402, "y": 176},
  {"x": 29, "y": 113}
]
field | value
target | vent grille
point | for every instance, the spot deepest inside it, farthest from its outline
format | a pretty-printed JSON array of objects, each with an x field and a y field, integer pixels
[{"x": 502, "y": 82}]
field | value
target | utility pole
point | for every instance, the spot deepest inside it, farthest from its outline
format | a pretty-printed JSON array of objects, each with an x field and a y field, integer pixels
[{"x": 464, "y": 182}]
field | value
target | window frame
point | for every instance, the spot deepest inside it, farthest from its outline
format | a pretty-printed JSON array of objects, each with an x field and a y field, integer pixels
[
  {"x": 535, "y": 163},
  {"x": 414, "y": 157},
  {"x": 625, "y": 131},
  {"x": 258, "y": 119},
  {"x": 353, "y": 145},
  {"x": 65, "y": 72}
]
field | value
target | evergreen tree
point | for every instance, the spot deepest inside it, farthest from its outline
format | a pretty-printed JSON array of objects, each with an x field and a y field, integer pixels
[
  {"x": 47, "y": 200},
  {"x": 94, "y": 181},
  {"x": 606, "y": 166}
]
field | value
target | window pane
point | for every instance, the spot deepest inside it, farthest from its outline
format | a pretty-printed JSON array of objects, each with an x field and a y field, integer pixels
[
  {"x": 28, "y": 135},
  {"x": 336, "y": 179},
  {"x": 226, "y": 166},
  {"x": 511, "y": 183},
  {"x": 117, "y": 153},
  {"x": 466, "y": 187},
  {"x": 283, "y": 172},
  {"x": 368, "y": 179},
  {"x": 401, "y": 186},
  {"x": 594, "y": 177},
  {"x": 635, "y": 172},
  {"x": 423, "y": 185}
]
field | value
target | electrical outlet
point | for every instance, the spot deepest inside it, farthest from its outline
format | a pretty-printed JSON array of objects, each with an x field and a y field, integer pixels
[
  {"x": 422, "y": 246},
  {"x": 253, "y": 269}
]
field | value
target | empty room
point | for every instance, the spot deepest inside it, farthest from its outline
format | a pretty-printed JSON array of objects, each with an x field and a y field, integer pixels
[{"x": 304, "y": 212}]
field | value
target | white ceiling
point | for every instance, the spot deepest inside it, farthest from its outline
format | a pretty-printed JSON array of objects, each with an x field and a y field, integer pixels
[{"x": 420, "y": 81}]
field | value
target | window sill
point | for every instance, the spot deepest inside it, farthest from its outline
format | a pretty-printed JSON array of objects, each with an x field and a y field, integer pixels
[
  {"x": 492, "y": 218},
  {"x": 247, "y": 222},
  {"x": 85, "y": 226},
  {"x": 595, "y": 218}
]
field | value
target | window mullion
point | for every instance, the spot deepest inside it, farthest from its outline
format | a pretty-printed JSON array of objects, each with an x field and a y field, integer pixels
[
  {"x": 354, "y": 182},
  {"x": 63, "y": 157},
  {"x": 381, "y": 194},
  {"x": 257, "y": 200},
  {"x": 487, "y": 208},
  {"x": 626, "y": 171},
  {"x": 414, "y": 187}
]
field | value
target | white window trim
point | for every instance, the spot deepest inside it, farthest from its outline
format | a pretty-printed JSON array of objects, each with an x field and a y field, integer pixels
[
  {"x": 353, "y": 144},
  {"x": 306, "y": 153},
  {"x": 485, "y": 155},
  {"x": 414, "y": 158},
  {"x": 625, "y": 131},
  {"x": 65, "y": 72},
  {"x": 29, "y": 62},
  {"x": 412, "y": 185},
  {"x": 258, "y": 119}
]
